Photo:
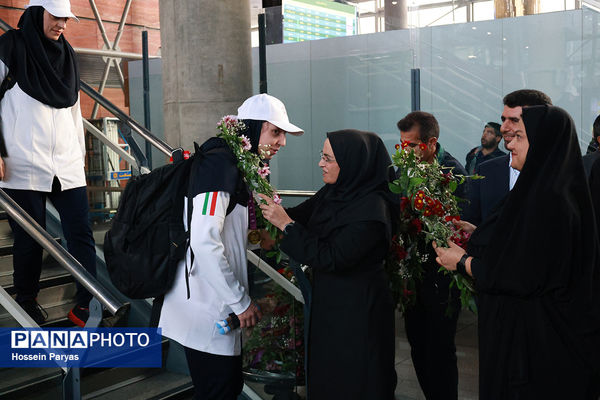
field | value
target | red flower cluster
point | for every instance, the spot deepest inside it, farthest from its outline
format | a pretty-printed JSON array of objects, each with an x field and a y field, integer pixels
[
  {"x": 446, "y": 177},
  {"x": 399, "y": 251},
  {"x": 432, "y": 206},
  {"x": 420, "y": 200},
  {"x": 406, "y": 143},
  {"x": 404, "y": 202},
  {"x": 416, "y": 226}
]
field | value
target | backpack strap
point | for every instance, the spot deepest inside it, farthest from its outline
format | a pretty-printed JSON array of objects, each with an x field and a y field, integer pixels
[
  {"x": 190, "y": 207},
  {"x": 7, "y": 84}
]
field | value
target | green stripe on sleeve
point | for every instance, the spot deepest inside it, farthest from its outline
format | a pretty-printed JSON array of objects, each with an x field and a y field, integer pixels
[{"x": 204, "y": 209}]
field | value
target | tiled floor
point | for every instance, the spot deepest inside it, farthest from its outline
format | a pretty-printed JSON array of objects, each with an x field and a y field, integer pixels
[{"x": 466, "y": 352}]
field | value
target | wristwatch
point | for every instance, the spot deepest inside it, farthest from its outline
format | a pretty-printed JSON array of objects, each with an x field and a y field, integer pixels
[
  {"x": 460, "y": 265},
  {"x": 286, "y": 229}
]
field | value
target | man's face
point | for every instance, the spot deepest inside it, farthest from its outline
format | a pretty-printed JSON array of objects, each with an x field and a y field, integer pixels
[
  {"x": 271, "y": 140},
  {"x": 489, "y": 139},
  {"x": 425, "y": 151},
  {"x": 512, "y": 122},
  {"x": 54, "y": 26}
]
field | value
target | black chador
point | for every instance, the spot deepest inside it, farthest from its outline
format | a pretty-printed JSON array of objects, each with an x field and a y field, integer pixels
[{"x": 537, "y": 271}]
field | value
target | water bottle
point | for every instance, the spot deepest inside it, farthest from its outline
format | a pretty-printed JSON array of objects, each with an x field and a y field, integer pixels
[{"x": 227, "y": 325}]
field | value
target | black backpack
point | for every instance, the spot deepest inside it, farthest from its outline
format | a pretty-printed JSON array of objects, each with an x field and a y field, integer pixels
[{"x": 147, "y": 238}]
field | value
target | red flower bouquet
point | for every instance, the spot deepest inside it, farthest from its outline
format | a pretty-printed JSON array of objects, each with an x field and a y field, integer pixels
[{"x": 427, "y": 207}]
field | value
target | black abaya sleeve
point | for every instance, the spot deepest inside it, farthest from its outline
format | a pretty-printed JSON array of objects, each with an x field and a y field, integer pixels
[
  {"x": 346, "y": 248},
  {"x": 302, "y": 212},
  {"x": 595, "y": 189}
]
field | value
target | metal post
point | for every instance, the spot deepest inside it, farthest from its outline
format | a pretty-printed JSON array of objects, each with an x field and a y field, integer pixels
[
  {"x": 415, "y": 89},
  {"x": 146, "y": 76},
  {"x": 262, "y": 53},
  {"x": 71, "y": 385}
]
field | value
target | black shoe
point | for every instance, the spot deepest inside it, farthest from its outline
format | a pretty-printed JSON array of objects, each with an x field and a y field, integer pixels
[
  {"x": 79, "y": 315},
  {"x": 35, "y": 311}
]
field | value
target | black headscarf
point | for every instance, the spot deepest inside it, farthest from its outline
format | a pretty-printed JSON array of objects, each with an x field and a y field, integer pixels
[
  {"x": 45, "y": 69},
  {"x": 361, "y": 191},
  {"x": 595, "y": 189},
  {"x": 544, "y": 242},
  {"x": 252, "y": 132}
]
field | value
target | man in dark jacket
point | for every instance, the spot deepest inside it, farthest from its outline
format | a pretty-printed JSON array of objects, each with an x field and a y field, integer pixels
[
  {"x": 500, "y": 178},
  {"x": 490, "y": 139},
  {"x": 431, "y": 323},
  {"x": 589, "y": 159}
]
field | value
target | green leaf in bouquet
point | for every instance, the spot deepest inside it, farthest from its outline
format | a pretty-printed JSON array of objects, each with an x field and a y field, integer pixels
[
  {"x": 453, "y": 185},
  {"x": 415, "y": 182},
  {"x": 394, "y": 188},
  {"x": 271, "y": 253}
]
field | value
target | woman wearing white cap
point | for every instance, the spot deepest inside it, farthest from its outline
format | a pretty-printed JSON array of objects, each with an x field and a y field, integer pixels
[
  {"x": 217, "y": 283},
  {"x": 42, "y": 144}
]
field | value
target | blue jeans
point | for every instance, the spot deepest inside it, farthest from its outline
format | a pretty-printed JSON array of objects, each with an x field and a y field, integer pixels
[{"x": 72, "y": 205}]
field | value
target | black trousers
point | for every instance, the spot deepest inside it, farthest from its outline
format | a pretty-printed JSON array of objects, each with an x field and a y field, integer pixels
[
  {"x": 430, "y": 332},
  {"x": 215, "y": 377},
  {"x": 72, "y": 205}
]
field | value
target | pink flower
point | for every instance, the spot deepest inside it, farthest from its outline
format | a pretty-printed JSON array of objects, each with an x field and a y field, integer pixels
[
  {"x": 229, "y": 121},
  {"x": 276, "y": 199},
  {"x": 264, "y": 171},
  {"x": 246, "y": 145}
]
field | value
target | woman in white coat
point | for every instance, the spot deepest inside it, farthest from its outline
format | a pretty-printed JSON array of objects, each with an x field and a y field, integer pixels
[{"x": 42, "y": 145}]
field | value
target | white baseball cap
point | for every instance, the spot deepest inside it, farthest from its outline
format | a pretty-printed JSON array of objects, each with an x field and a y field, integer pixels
[
  {"x": 58, "y": 8},
  {"x": 263, "y": 107}
]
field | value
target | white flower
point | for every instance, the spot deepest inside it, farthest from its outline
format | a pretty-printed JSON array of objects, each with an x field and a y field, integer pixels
[{"x": 276, "y": 199}]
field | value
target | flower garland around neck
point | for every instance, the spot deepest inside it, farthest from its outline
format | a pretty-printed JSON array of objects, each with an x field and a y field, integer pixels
[{"x": 254, "y": 172}]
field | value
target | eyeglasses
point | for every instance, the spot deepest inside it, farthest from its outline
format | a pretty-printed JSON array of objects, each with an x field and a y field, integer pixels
[{"x": 326, "y": 158}]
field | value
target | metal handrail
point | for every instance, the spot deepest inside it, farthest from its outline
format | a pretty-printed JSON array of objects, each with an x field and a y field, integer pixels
[
  {"x": 133, "y": 124},
  {"x": 110, "y": 144},
  {"x": 59, "y": 253},
  {"x": 276, "y": 276},
  {"x": 296, "y": 193}
]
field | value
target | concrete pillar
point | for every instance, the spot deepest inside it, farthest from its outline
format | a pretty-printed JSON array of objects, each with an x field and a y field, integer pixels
[
  {"x": 516, "y": 8},
  {"x": 531, "y": 7},
  {"x": 505, "y": 8},
  {"x": 395, "y": 14},
  {"x": 207, "y": 65}
]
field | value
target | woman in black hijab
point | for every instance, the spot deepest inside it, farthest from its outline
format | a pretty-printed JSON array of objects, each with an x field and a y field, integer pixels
[
  {"x": 595, "y": 189},
  {"x": 536, "y": 265},
  {"x": 343, "y": 232},
  {"x": 42, "y": 145}
]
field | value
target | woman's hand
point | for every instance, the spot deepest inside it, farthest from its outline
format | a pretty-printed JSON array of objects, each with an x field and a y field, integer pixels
[
  {"x": 464, "y": 226},
  {"x": 274, "y": 213},
  {"x": 448, "y": 257}
]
